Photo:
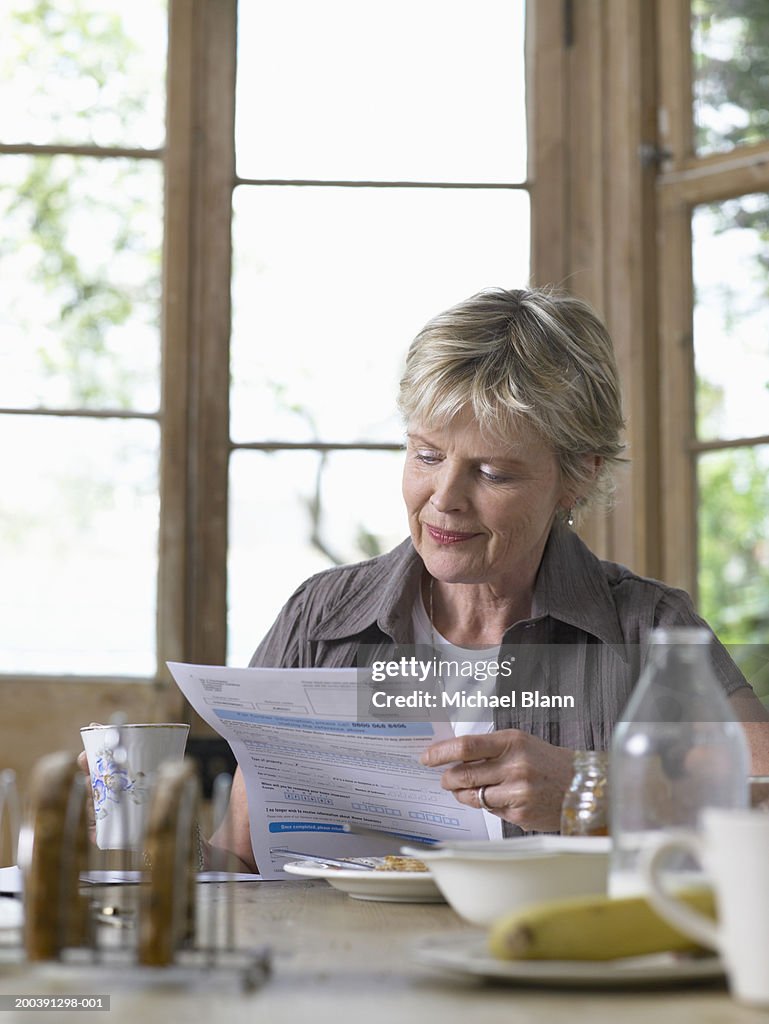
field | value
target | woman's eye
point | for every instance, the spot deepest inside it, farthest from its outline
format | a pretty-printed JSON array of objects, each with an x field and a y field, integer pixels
[
  {"x": 429, "y": 458},
  {"x": 492, "y": 477}
]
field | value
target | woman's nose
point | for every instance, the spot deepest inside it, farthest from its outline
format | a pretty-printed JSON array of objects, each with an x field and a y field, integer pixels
[{"x": 449, "y": 493}]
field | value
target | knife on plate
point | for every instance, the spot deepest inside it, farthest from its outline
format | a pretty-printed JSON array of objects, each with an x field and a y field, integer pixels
[
  {"x": 379, "y": 833},
  {"x": 331, "y": 862}
]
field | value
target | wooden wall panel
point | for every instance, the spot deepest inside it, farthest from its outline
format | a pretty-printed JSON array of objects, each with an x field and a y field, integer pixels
[
  {"x": 209, "y": 342},
  {"x": 547, "y": 148},
  {"x": 47, "y": 714},
  {"x": 629, "y": 246},
  {"x": 603, "y": 192},
  {"x": 173, "y": 583}
]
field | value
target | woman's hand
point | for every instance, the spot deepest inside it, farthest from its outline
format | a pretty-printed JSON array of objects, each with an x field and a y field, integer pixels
[
  {"x": 82, "y": 763},
  {"x": 525, "y": 777}
]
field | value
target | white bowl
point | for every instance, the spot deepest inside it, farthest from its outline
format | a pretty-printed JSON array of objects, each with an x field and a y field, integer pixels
[{"x": 485, "y": 880}]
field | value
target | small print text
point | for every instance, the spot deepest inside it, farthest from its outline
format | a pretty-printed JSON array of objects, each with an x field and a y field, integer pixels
[
  {"x": 429, "y": 699},
  {"x": 71, "y": 1002}
]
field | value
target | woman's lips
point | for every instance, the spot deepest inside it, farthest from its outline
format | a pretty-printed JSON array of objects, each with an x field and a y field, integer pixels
[{"x": 448, "y": 536}]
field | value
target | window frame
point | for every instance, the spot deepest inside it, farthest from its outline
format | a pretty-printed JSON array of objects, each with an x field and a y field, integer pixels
[
  {"x": 595, "y": 163},
  {"x": 685, "y": 181},
  {"x": 612, "y": 184},
  {"x": 198, "y": 159},
  {"x": 617, "y": 181},
  {"x": 202, "y": 175},
  {"x": 199, "y": 178},
  {"x": 326, "y": 445}
]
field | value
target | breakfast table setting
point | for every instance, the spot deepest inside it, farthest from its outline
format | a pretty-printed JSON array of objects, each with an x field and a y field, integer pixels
[
  {"x": 113, "y": 902},
  {"x": 336, "y": 958},
  {"x": 381, "y": 937}
]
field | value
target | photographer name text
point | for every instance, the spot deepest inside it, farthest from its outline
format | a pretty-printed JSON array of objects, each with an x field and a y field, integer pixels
[{"x": 430, "y": 700}]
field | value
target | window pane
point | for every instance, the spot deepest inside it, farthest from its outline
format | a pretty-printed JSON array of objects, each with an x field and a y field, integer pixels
[
  {"x": 80, "y": 264},
  {"x": 78, "y": 545},
  {"x": 295, "y": 513},
  {"x": 731, "y": 317},
  {"x": 730, "y": 75},
  {"x": 430, "y": 91},
  {"x": 733, "y": 547},
  {"x": 83, "y": 71},
  {"x": 332, "y": 284}
]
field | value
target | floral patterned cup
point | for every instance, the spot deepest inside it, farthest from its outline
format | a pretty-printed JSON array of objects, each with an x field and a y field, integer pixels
[{"x": 122, "y": 761}]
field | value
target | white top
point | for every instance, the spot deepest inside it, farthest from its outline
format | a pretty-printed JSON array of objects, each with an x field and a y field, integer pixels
[{"x": 462, "y": 669}]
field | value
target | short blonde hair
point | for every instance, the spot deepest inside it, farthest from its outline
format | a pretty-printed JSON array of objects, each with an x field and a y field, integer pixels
[{"x": 532, "y": 353}]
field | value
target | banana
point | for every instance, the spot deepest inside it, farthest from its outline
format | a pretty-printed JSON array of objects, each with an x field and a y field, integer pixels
[{"x": 593, "y": 928}]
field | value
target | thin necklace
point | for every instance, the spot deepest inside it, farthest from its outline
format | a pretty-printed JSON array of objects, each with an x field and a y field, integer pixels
[
  {"x": 433, "y": 634},
  {"x": 433, "y": 637},
  {"x": 430, "y": 614}
]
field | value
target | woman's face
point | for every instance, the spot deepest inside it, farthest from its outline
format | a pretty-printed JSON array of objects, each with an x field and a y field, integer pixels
[{"x": 480, "y": 510}]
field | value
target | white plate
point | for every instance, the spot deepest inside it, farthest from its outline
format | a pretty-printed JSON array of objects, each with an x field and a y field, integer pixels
[
  {"x": 467, "y": 954},
  {"x": 387, "y": 886}
]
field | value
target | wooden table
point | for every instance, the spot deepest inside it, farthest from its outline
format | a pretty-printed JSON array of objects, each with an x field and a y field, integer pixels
[{"x": 336, "y": 959}]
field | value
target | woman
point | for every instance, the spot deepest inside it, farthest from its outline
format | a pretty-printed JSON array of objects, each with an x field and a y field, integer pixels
[{"x": 513, "y": 412}]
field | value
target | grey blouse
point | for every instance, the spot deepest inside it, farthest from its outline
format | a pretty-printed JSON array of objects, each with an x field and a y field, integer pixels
[{"x": 586, "y": 637}]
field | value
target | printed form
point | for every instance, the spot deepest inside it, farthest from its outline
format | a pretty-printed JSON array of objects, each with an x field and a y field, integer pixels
[{"x": 311, "y": 766}]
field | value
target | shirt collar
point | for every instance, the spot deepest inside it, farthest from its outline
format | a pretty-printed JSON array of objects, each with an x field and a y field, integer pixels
[
  {"x": 384, "y": 597},
  {"x": 571, "y": 586}
]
